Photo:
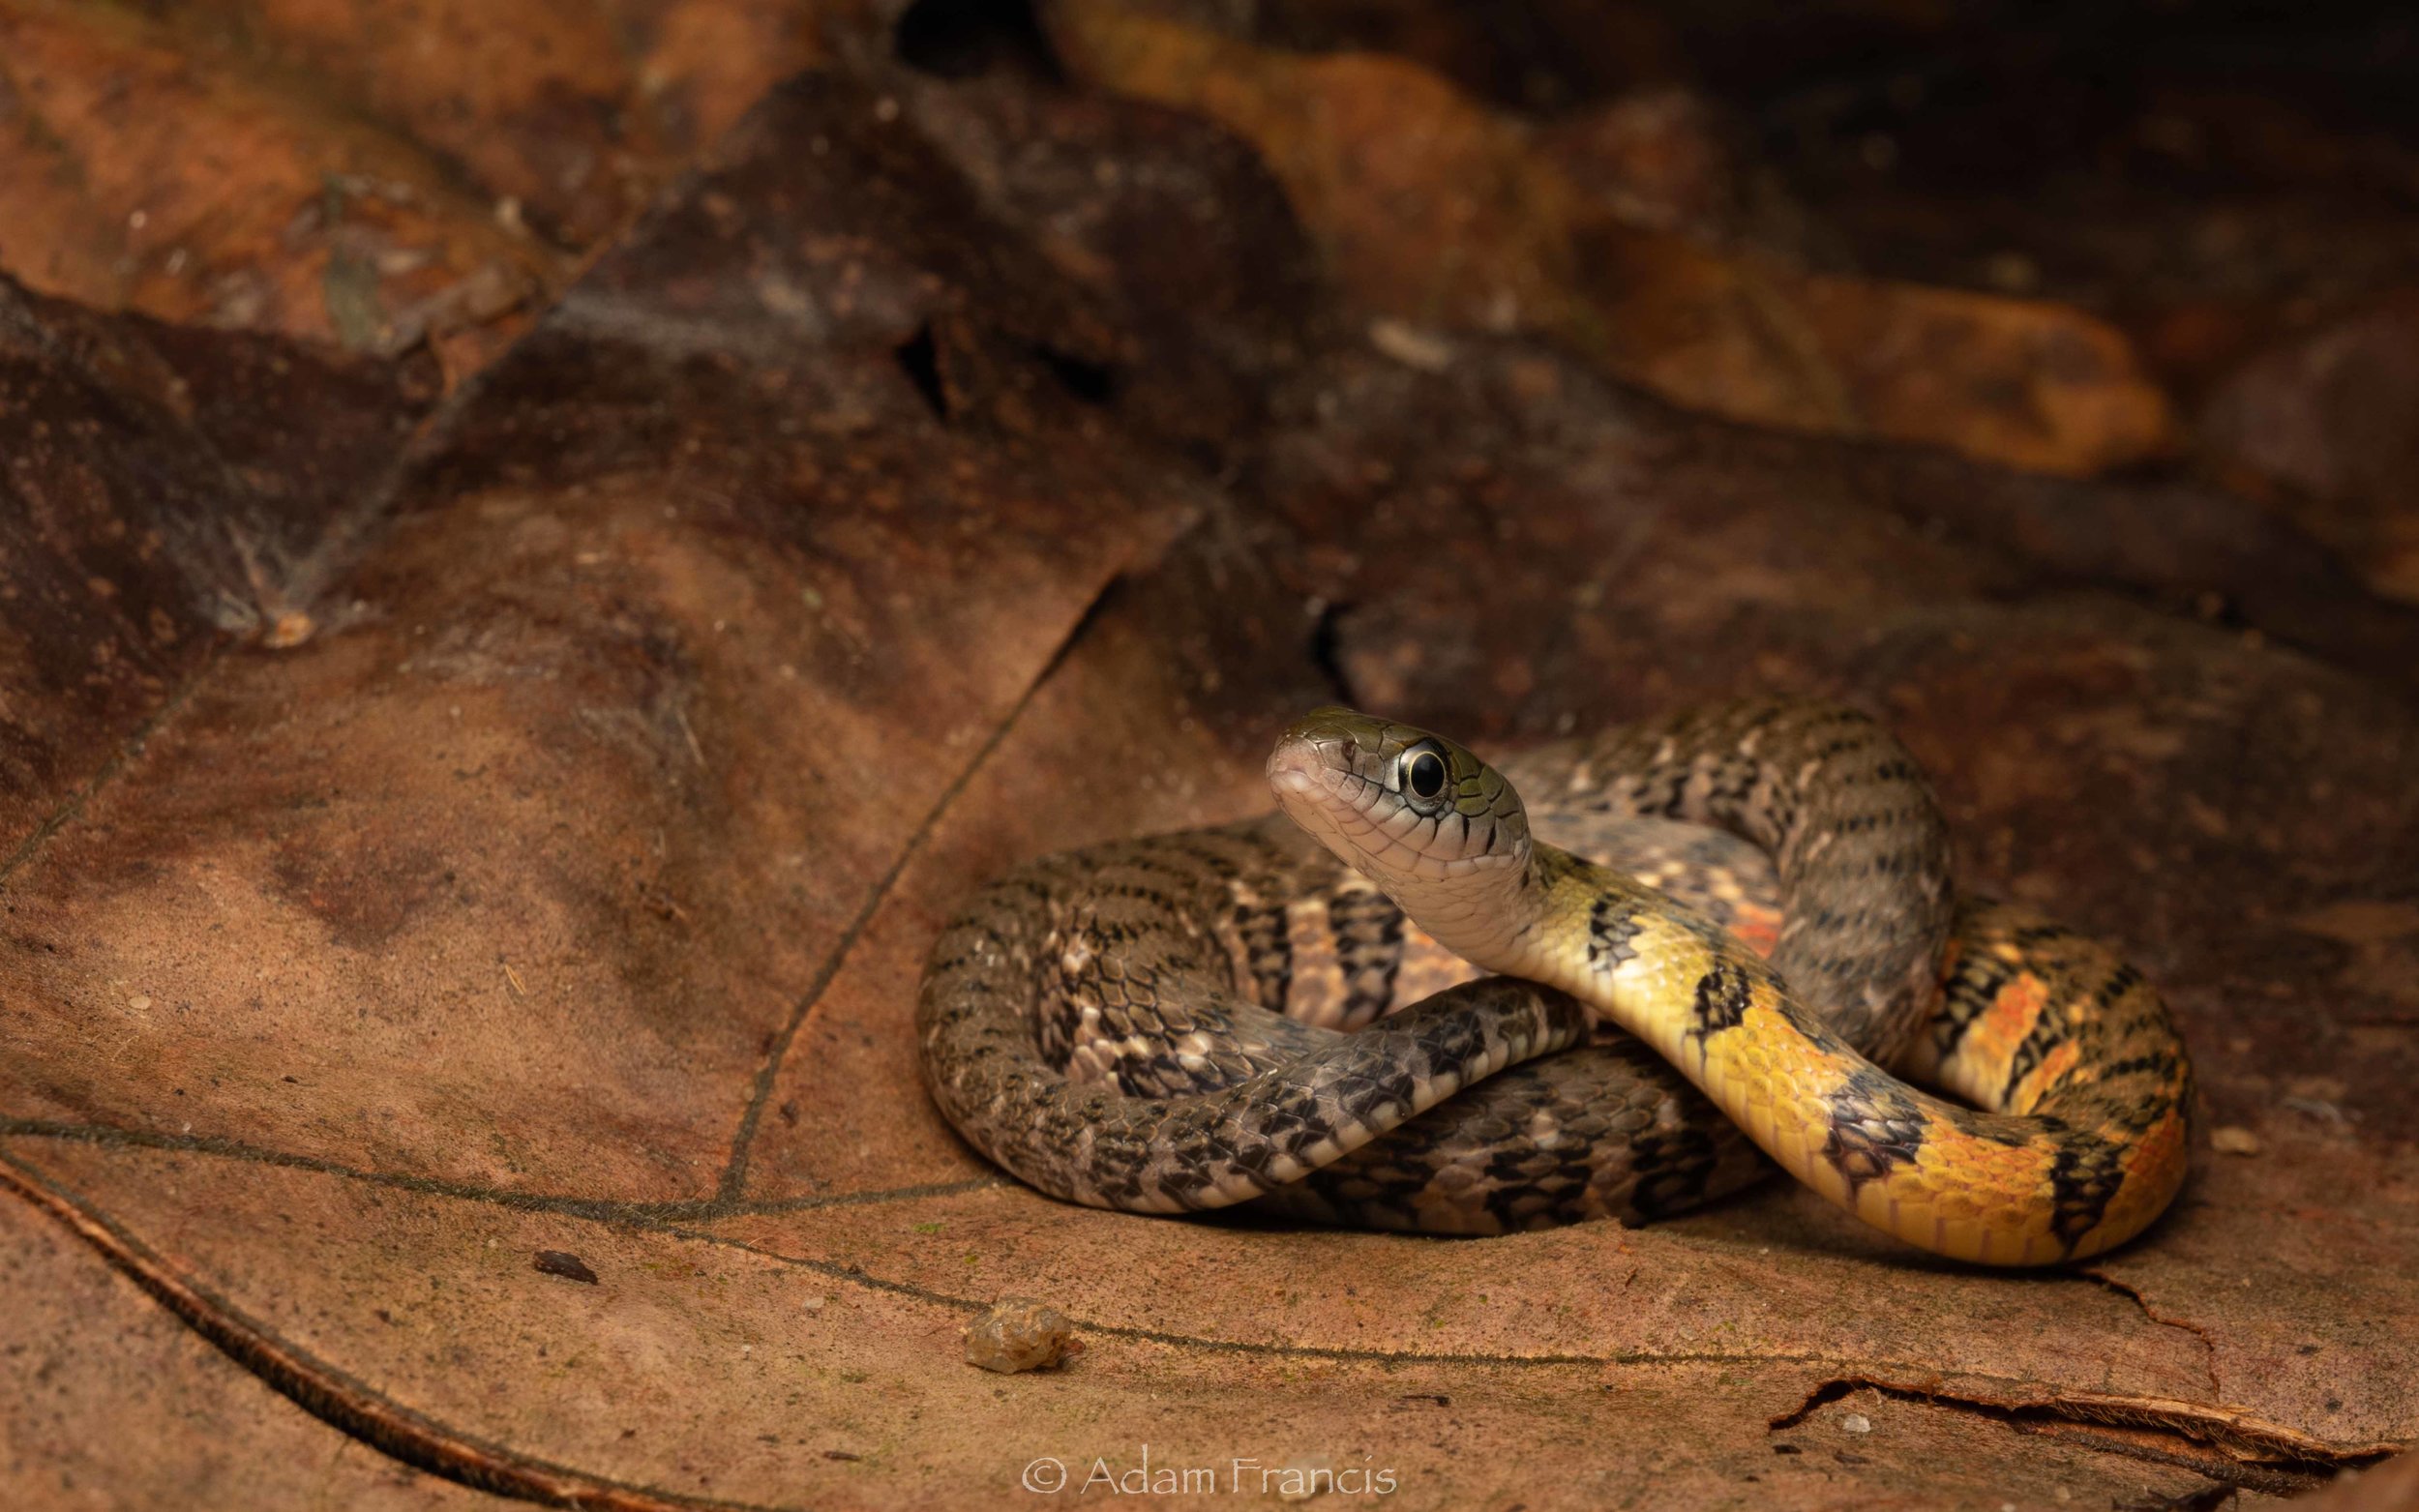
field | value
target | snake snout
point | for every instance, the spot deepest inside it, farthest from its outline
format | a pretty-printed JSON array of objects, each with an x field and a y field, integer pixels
[
  {"x": 1291, "y": 779},
  {"x": 1324, "y": 741}
]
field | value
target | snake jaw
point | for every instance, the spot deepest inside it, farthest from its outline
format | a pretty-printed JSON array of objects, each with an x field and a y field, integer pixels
[{"x": 1445, "y": 854}]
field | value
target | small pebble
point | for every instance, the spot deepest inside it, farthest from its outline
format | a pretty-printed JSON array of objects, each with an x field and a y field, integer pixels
[
  {"x": 563, "y": 1264},
  {"x": 1855, "y": 1423},
  {"x": 2233, "y": 1139},
  {"x": 1020, "y": 1334},
  {"x": 288, "y": 630}
]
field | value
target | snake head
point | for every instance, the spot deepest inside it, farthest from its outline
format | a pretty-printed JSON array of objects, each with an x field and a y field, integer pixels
[{"x": 1437, "y": 829}]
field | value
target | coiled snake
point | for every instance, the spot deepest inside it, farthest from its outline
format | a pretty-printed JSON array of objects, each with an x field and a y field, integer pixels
[{"x": 1288, "y": 1010}]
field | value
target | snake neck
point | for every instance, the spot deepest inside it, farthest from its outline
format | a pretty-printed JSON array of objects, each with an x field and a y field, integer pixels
[
  {"x": 1581, "y": 925},
  {"x": 1503, "y": 920},
  {"x": 1483, "y": 914}
]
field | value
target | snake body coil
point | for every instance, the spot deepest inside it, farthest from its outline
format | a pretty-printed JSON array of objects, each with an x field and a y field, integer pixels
[{"x": 1269, "y": 1011}]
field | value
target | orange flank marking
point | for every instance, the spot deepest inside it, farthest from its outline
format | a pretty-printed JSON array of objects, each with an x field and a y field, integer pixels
[
  {"x": 2161, "y": 1152},
  {"x": 1758, "y": 928},
  {"x": 2152, "y": 1173},
  {"x": 2048, "y": 1074},
  {"x": 2009, "y": 1018}
]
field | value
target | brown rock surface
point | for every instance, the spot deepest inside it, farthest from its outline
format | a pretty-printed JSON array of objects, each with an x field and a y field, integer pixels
[
  {"x": 156, "y": 180},
  {"x": 2334, "y": 417},
  {"x": 1431, "y": 209},
  {"x": 467, "y": 848}
]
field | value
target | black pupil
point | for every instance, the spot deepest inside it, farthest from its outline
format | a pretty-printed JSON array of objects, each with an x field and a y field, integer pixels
[{"x": 1427, "y": 773}]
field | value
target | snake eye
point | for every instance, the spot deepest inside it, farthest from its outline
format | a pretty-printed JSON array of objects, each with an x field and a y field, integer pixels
[{"x": 1423, "y": 774}]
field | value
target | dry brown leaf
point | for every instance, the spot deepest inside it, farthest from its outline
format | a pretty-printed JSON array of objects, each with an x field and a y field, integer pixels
[
  {"x": 565, "y": 892},
  {"x": 194, "y": 191}
]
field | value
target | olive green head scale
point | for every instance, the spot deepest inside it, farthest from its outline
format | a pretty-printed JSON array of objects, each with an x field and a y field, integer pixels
[{"x": 1437, "y": 829}]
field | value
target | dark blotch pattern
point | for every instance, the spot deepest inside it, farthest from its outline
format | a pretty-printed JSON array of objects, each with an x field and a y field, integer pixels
[
  {"x": 2085, "y": 1176},
  {"x": 1269, "y": 951},
  {"x": 1875, "y": 1127},
  {"x": 1722, "y": 1000},
  {"x": 1369, "y": 931},
  {"x": 1674, "y": 1168},
  {"x": 1611, "y": 926}
]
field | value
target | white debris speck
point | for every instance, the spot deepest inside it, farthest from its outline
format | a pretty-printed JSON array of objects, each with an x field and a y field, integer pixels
[
  {"x": 1411, "y": 346},
  {"x": 1855, "y": 1423}
]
